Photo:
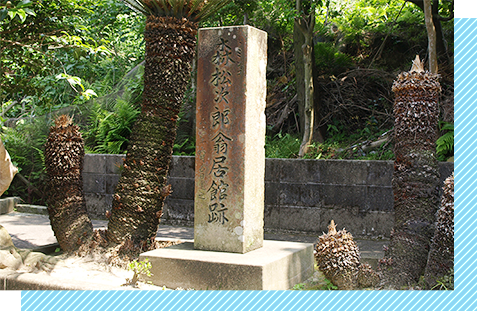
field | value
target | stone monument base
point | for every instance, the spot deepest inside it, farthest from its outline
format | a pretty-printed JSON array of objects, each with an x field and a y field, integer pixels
[{"x": 275, "y": 266}]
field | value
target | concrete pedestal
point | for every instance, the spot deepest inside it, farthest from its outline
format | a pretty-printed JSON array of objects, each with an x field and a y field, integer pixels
[{"x": 275, "y": 266}]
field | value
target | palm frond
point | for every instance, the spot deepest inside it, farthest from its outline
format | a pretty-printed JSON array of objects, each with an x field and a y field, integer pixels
[
  {"x": 138, "y": 6},
  {"x": 195, "y": 10},
  {"x": 158, "y": 7},
  {"x": 178, "y": 7},
  {"x": 195, "y": 5}
]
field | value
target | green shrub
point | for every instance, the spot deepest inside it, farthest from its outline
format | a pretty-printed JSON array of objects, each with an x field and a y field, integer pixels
[
  {"x": 25, "y": 144},
  {"x": 139, "y": 268},
  {"x": 185, "y": 140},
  {"x": 446, "y": 282},
  {"x": 328, "y": 59},
  {"x": 282, "y": 146},
  {"x": 445, "y": 143},
  {"x": 109, "y": 130}
]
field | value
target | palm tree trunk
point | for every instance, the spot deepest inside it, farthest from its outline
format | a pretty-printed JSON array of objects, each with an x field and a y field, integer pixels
[
  {"x": 64, "y": 156},
  {"x": 416, "y": 176},
  {"x": 441, "y": 255},
  {"x": 139, "y": 197}
]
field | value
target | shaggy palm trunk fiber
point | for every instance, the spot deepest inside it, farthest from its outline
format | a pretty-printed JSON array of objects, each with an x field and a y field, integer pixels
[
  {"x": 64, "y": 156},
  {"x": 139, "y": 196},
  {"x": 337, "y": 256},
  {"x": 441, "y": 255},
  {"x": 416, "y": 175}
]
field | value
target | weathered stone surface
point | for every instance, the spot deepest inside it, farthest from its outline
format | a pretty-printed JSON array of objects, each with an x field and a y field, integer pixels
[
  {"x": 95, "y": 163},
  {"x": 230, "y": 139},
  {"x": 5, "y": 238},
  {"x": 10, "y": 259},
  {"x": 7, "y": 169},
  {"x": 275, "y": 266},
  {"x": 8, "y": 204}
]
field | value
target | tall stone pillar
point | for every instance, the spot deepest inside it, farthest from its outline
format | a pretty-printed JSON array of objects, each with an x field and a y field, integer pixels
[{"x": 230, "y": 139}]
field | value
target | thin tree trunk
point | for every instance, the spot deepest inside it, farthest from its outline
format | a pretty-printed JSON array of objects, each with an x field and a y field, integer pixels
[
  {"x": 245, "y": 18},
  {"x": 139, "y": 197},
  {"x": 298, "y": 41},
  {"x": 306, "y": 26},
  {"x": 431, "y": 35},
  {"x": 309, "y": 96},
  {"x": 436, "y": 20}
]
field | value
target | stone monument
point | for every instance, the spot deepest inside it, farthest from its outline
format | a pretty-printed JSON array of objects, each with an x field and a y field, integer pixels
[
  {"x": 228, "y": 251},
  {"x": 230, "y": 139}
]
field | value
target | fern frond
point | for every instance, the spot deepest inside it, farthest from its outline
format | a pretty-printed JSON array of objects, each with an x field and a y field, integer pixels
[
  {"x": 447, "y": 127},
  {"x": 195, "y": 10},
  {"x": 445, "y": 143}
]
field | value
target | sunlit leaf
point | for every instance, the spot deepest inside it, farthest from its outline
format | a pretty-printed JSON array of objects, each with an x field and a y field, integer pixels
[
  {"x": 89, "y": 94},
  {"x": 24, "y": 3},
  {"x": 12, "y": 14},
  {"x": 22, "y": 15},
  {"x": 72, "y": 80},
  {"x": 30, "y": 12}
]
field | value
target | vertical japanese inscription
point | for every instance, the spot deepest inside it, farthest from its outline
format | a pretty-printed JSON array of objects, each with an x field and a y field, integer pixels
[
  {"x": 230, "y": 158},
  {"x": 224, "y": 61}
]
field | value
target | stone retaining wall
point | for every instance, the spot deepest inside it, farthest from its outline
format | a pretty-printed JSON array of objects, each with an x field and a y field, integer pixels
[{"x": 300, "y": 195}]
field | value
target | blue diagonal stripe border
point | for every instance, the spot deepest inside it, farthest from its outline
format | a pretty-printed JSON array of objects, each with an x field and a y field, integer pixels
[
  {"x": 245, "y": 300},
  {"x": 462, "y": 298}
]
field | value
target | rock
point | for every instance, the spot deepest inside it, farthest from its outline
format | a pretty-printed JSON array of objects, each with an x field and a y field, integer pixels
[
  {"x": 21, "y": 259},
  {"x": 10, "y": 259},
  {"x": 7, "y": 169},
  {"x": 5, "y": 239}
]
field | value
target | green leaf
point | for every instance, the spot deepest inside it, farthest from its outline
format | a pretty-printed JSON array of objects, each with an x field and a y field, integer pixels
[
  {"x": 448, "y": 126},
  {"x": 30, "y": 12},
  {"x": 88, "y": 94},
  {"x": 12, "y": 14},
  {"x": 445, "y": 143},
  {"x": 72, "y": 80},
  {"x": 24, "y": 3},
  {"x": 21, "y": 14},
  {"x": 3, "y": 14},
  {"x": 196, "y": 10},
  {"x": 137, "y": 6}
]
